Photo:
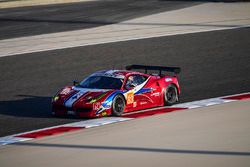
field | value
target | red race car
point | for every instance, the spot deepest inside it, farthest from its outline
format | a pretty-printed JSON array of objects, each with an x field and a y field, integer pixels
[{"x": 114, "y": 92}]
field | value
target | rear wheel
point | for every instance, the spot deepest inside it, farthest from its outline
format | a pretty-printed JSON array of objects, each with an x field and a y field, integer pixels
[
  {"x": 171, "y": 95},
  {"x": 118, "y": 105}
]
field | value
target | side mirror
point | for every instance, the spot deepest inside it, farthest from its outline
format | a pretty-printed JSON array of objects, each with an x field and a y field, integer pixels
[{"x": 75, "y": 83}]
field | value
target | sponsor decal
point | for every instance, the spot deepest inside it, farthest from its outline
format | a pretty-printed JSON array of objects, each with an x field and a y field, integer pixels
[
  {"x": 134, "y": 104},
  {"x": 155, "y": 94},
  {"x": 168, "y": 79},
  {"x": 104, "y": 113},
  {"x": 96, "y": 105},
  {"x": 109, "y": 73},
  {"x": 144, "y": 102}
]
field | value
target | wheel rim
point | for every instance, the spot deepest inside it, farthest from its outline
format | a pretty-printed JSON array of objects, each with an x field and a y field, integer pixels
[
  {"x": 119, "y": 105},
  {"x": 171, "y": 95}
]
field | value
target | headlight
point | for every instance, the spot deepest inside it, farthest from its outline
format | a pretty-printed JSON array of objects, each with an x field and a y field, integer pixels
[
  {"x": 55, "y": 98},
  {"x": 89, "y": 97},
  {"x": 94, "y": 99}
]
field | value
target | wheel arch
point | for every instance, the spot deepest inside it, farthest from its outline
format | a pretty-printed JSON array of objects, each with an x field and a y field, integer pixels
[
  {"x": 121, "y": 95},
  {"x": 113, "y": 112},
  {"x": 177, "y": 91},
  {"x": 175, "y": 85}
]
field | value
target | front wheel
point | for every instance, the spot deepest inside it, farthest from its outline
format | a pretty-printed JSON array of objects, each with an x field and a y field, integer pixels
[
  {"x": 118, "y": 105},
  {"x": 171, "y": 95}
]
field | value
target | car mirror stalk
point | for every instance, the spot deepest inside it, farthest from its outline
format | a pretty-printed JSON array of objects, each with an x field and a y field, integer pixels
[{"x": 75, "y": 83}]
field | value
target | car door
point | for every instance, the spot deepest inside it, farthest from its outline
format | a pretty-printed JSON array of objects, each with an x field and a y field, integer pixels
[{"x": 137, "y": 97}]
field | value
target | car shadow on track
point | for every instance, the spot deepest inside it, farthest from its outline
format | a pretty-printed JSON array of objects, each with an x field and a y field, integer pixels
[
  {"x": 210, "y": 0},
  {"x": 28, "y": 106},
  {"x": 136, "y": 149}
]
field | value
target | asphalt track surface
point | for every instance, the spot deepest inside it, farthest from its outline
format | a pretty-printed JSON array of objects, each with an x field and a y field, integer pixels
[
  {"x": 213, "y": 64},
  {"x": 27, "y": 21}
]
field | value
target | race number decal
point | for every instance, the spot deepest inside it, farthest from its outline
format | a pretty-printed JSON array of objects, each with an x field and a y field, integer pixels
[
  {"x": 65, "y": 91},
  {"x": 130, "y": 98}
]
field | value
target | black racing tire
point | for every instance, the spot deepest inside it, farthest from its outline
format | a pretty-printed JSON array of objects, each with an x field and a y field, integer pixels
[
  {"x": 171, "y": 95},
  {"x": 118, "y": 105}
]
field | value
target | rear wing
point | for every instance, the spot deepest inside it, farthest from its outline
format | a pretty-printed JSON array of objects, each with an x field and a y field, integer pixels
[{"x": 175, "y": 70}]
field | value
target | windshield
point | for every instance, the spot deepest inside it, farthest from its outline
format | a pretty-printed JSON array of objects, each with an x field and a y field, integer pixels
[{"x": 101, "y": 82}]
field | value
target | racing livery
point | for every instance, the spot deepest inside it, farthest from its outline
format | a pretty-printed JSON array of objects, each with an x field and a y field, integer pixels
[{"x": 114, "y": 92}]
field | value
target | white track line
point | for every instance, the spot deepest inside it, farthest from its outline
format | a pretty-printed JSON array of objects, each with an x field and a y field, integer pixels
[
  {"x": 201, "y": 18},
  {"x": 19, "y": 3}
]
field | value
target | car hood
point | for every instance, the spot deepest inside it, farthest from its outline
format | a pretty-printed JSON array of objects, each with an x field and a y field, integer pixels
[{"x": 70, "y": 95}]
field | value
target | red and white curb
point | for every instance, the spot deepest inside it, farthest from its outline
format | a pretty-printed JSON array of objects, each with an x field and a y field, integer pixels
[
  {"x": 59, "y": 129},
  {"x": 109, "y": 120}
]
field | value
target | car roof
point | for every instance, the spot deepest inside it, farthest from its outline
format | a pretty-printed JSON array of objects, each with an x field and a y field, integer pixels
[{"x": 121, "y": 74}]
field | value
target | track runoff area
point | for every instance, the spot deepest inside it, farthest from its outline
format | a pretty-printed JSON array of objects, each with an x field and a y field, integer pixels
[{"x": 126, "y": 117}]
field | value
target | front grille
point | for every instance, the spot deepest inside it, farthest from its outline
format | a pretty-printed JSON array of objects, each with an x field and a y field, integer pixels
[
  {"x": 59, "y": 107},
  {"x": 83, "y": 109},
  {"x": 63, "y": 108}
]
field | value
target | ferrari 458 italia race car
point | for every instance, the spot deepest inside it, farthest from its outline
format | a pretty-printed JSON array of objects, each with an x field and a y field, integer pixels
[{"x": 114, "y": 92}]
